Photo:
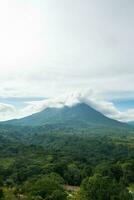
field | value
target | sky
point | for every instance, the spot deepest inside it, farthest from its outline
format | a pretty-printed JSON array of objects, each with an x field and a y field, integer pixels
[{"x": 52, "y": 50}]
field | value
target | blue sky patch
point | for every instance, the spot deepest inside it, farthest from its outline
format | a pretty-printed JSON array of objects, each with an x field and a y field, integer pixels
[{"x": 125, "y": 104}]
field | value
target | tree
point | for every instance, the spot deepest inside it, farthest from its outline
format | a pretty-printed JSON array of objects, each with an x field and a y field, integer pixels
[
  {"x": 48, "y": 187},
  {"x": 72, "y": 174},
  {"x": 128, "y": 172},
  {"x": 98, "y": 187},
  {"x": 112, "y": 170}
]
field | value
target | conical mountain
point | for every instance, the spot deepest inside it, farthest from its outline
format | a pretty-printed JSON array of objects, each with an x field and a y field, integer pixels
[{"x": 80, "y": 113}]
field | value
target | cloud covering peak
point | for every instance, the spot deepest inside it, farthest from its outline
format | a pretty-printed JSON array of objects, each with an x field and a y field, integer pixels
[
  {"x": 48, "y": 48},
  {"x": 105, "y": 107}
]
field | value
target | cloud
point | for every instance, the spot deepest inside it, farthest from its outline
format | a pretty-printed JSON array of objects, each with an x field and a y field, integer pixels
[
  {"x": 90, "y": 98},
  {"x": 7, "y": 111},
  {"x": 51, "y": 47}
]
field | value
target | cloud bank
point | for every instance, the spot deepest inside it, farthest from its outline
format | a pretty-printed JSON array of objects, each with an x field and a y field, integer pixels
[
  {"x": 105, "y": 107},
  {"x": 48, "y": 47},
  {"x": 7, "y": 111}
]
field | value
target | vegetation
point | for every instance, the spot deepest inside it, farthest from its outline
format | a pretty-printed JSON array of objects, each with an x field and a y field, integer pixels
[{"x": 57, "y": 163}]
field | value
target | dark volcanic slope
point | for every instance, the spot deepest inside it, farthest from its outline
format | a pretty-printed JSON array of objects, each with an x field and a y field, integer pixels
[{"x": 78, "y": 114}]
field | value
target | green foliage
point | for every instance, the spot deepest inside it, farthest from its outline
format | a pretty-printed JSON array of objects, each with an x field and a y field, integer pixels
[
  {"x": 108, "y": 169},
  {"x": 128, "y": 172},
  {"x": 38, "y": 163},
  {"x": 103, "y": 188},
  {"x": 47, "y": 187}
]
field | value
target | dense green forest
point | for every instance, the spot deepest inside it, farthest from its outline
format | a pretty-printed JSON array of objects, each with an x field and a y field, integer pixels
[{"x": 62, "y": 163}]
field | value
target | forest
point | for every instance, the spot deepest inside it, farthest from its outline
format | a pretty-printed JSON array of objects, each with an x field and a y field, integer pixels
[{"x": 59, "y": 163}]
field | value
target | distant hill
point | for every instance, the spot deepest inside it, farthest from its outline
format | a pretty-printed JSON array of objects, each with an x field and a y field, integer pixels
[{"x": 80, "y": 114}]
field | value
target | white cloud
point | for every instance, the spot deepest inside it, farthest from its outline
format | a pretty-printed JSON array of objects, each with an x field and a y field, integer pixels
[
  {"x": 51, "y": 47},
  {"x": 105, "y": 107},
  {"x": 7, "y": 111},
  {"x": 58, "y": 47}
]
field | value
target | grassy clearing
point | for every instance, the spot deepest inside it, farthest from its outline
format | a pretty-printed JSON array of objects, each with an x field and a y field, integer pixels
[{"x": 72, "y": 191}]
